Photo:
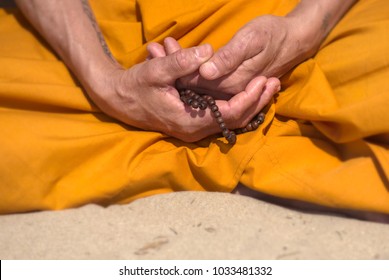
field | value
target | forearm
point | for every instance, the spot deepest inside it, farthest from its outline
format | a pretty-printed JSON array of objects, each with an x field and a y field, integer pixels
[
  {"x": 69, "y": 28},
  {"x": 318, "y": 17}
]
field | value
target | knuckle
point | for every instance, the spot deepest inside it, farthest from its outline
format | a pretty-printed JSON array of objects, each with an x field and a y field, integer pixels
[
  {"x": 154, "y": 75},
  {"x": 181, "y": 61},
  {"x": 152, "y": 71},
  {"x": 226, "y": 58}
]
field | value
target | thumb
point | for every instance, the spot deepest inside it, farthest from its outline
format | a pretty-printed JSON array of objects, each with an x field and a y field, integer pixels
[{"x": 182, "y": 62}]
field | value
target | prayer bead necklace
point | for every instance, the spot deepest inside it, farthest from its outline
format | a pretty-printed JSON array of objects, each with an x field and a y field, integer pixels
[{"x": 202, "y": 102}]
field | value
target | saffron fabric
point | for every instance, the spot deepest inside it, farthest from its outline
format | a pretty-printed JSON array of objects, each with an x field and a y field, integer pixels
[{"x": 325, "y": 138}]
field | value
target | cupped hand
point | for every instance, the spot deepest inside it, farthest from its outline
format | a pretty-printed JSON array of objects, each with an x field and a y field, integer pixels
[{"x": 145, "y": 96}]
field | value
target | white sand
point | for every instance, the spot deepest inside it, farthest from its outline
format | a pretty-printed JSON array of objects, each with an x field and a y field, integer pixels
[{"x": 190, "y": 225}]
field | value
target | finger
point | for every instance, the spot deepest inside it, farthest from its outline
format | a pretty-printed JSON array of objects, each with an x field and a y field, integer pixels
[
  {"x": 273, "y": 85},
  {"x": 237, "y": 113},
  {"x": 183, "y": 62},
  {"x": 171, "y": 45},
  {"x": 155, "y": 50},
  {"x": 229, "y": 57},
  {"x": 271, "y": 88},
  {"x": 225, "y": 60},
  {"x": 242, "y": 107}
]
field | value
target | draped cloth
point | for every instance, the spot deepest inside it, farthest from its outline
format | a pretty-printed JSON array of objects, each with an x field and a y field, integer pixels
[{"x": 325, "y": 138}]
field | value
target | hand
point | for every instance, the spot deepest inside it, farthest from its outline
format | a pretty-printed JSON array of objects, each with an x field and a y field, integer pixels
[
  {"x": 271, "y": 45},
  {"x": 193, "y": 80},
  {"x": 145, "y": 96},
  {"x": 266, "y": 46}
]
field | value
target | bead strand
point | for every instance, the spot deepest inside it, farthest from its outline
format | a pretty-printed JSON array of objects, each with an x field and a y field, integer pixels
[{"x": 202, "y": 102}]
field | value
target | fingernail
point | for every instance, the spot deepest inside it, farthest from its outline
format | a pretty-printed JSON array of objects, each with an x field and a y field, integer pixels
[{"x": 209, "y": 69}]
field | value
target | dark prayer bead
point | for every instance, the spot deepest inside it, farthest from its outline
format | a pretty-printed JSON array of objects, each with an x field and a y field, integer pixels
[
  {"x": 222, "y": 126},
  {"x": 214, "y": 108},
  {"x": 231, "y": 138},
  {"x": 226, "y": 132},
  {"x": 211, "y": 102},
  {"x": 254, "y": 125},
  {"x": 207, "y": 97},
  {"x": 261, "y": 117},
  {"x": 219, "y": 120},
  {"x": 191, "y": 98},
  {"x": 217, "y": 114},
  {"x": 195, "y": 104},
  {"x": 203, "y": 105}
]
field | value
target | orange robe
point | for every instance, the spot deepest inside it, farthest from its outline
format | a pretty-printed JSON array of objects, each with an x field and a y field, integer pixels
[{"x": 325, "y": 138}]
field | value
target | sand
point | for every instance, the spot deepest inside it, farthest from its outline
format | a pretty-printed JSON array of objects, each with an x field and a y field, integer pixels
[{"x": 190, "y": 225}]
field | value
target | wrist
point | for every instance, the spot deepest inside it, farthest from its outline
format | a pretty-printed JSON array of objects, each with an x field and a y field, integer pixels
[
  {"x": 313, "y": 20},
  {"x": 307, "y": 30},
  {"x": 98, "y": 78}
]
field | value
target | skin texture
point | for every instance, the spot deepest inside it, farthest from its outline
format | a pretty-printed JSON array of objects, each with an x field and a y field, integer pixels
[
  {"x": 267, "y": 45},
  {"x": 271, "y": 45},
  {"x": 145, "y": 96}
]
